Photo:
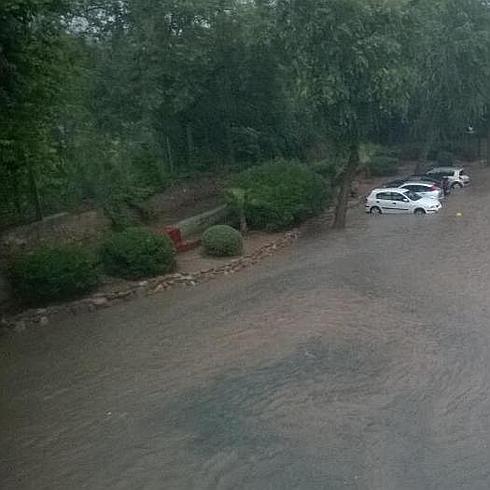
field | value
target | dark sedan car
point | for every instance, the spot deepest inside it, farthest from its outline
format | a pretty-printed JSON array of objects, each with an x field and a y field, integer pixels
[{"x": 439, "y": 182}]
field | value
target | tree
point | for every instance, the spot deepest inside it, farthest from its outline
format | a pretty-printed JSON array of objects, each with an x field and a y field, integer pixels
[
  {"x": 451, "y": 49},
  {"x": 349, "y": 66},
  {"x": 32, "y": 62}
]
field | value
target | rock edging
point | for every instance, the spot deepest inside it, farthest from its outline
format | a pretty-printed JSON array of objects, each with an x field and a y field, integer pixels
[{"x": 42, "y": 316}]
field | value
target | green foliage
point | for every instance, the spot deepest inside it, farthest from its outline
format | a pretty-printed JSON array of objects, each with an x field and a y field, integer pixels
[
  {"x": 137, "y": 253},
  {"x": 411, "y": 151},
  {"x": 34, "y": 59},
  {"x": 358, "y": 72},
  {"x": 329, "y": 169},
  {"x": 378, "y": 160},
  {"x": 222, "y": 241},
  {"x": 237, "y": 199},
  {"x": 54, "y": 273},
  {"x": 382, "y": 166},
  {"x": 445, "y": 158},
  {"x": 126, "y": 207},
  {"x": 466, "y": 152},
  {"x": 449, "y": 41},
  {"x": 104, "y": 103},
  {"x": 281, "y": 194}
]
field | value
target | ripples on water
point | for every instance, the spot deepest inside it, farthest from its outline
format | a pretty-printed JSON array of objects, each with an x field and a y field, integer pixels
[{"x": 355, "y": 360}]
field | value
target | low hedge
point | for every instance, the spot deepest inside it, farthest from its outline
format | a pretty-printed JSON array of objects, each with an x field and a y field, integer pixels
[
  {"x": 136, "y": 253},
  {"x": 53, "y": 274},
  {"x": 222, "y": 241},
  {"x": 279, "y": 195}
]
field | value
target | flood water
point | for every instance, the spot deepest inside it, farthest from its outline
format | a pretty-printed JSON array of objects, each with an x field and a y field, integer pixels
[{"x": 353, "y": 360}]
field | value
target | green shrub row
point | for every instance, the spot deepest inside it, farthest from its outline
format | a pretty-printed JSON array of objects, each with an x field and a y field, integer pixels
[
  {"x": 54, "y": 273},
  {"x": 136, "y": 253},
  {"x": 64, "y": 272},
  {"x": 280, "y": 194},
  {"x": 274, "y": 196}
]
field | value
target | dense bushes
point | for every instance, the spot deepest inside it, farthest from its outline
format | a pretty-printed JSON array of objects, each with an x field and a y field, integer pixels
[
  {"x": 328, "y": 169},
  {"x": 380, "y": 161},
  {"x": 279, "y": 195},
  {"x": 383, "y": 165},
  {"x": 411, "y": 151},
  {"x": 222, "y": 241},
  {"x": 54, "y": 273},
  {"x": 136, "y": 252},
  {"x": 445, "y": 157}
]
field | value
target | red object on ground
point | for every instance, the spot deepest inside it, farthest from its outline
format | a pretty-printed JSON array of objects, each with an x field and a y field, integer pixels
[
  {"x": 186, "y": 246},
  {"x": 175, "y": 234}
]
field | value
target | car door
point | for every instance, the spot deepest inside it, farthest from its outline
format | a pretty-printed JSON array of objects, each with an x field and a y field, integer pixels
[
  {"x": 449, "y": 174},
  {"x": 385, "y": 202},
  {"x": 401, "y": 203},
  {"x": 421, "y": 190},
  {"x": 414, "y": 188}
]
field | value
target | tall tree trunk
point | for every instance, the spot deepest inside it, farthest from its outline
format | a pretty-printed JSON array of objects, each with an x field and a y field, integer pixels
[
  {"x": 424, "y": 156},
  {"x": 34, "y": 192},
  {"x": 345, "y": 187}
]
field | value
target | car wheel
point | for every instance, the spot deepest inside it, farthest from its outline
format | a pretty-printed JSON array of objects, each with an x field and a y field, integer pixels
[
  {"x": 457, "y": 185},
  {"x": 419, "y": 211},
  {"x": 375, "y": 210}
]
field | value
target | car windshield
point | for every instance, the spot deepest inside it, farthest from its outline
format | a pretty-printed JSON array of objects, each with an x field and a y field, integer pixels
[{"x": 413, "y": 196}]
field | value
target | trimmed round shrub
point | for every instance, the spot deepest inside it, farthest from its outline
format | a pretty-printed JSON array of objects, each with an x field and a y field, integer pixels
[
  {"x": 136, "y": 253},
  {"x": 280, "y": 195},
  {"x": 53, "y": 274},
  {"x": 222, "y": 241}
]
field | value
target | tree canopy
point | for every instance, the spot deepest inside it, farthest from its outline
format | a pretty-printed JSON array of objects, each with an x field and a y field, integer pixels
[{"x": 109, "y": 101}]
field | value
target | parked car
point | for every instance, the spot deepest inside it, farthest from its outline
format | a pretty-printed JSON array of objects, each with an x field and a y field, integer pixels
[
  {"x": 424, "y": 189},
  {"x": 398, "y": 201},
  {"x": 425, "y": 178},
  {"x": 395, "y": 183},
  {"x": 441, "y": 182},
  {"x": 456, "y": 176}
]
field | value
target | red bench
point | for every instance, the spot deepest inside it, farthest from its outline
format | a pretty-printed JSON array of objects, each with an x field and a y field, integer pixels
[{"x": 176, "y": 236}]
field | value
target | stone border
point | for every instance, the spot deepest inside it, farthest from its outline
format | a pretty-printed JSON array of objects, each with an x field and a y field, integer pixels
[{"x": 42, "y": 316}]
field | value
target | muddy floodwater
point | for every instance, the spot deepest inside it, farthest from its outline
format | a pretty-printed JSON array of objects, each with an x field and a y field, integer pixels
[{"x": 353, "y": 360}]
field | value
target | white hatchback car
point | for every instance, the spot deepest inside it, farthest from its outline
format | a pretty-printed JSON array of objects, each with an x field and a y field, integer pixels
[
  {"x": 424, "y": 189},
  {"x": 456, "y": 176},
  {"x": 398, "y": 201}
]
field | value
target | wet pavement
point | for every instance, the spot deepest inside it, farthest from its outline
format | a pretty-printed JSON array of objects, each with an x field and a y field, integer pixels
[{"x": 353, "y": 360}]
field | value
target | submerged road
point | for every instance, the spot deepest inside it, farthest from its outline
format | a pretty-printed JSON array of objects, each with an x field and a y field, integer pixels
[{"x": 353, "y": 360}]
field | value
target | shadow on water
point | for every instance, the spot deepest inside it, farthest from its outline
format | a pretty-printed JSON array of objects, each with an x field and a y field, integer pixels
[{"x": 251, "y": 414}]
